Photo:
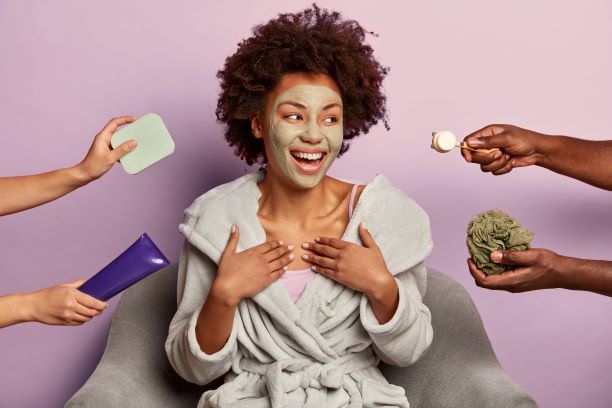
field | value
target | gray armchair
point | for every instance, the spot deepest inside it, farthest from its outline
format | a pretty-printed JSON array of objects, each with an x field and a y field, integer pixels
[{"x": 459, "y": 370}]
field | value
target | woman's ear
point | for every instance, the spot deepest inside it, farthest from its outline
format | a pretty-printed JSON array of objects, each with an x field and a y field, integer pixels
[{"x": 256, "y": 127}]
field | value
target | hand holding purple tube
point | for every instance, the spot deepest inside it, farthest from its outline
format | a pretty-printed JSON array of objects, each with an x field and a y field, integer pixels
[{"x": 140, "y": 260}]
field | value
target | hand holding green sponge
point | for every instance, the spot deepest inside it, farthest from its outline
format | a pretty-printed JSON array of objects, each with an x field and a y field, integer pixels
[
  {"x": 491, "y": 231},
  {"x": 154, "y": 142}
]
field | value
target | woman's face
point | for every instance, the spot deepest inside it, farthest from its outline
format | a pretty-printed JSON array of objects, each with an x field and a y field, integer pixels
[{"x": 301, "y": 128}]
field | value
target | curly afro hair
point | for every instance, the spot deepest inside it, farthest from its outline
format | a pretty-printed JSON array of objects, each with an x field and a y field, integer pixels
[{"x": 315, "y": 41}]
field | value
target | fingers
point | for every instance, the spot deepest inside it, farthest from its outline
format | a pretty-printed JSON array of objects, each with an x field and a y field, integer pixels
[
  {"x": 366, "y": 237},
  {"x": 280, "y": 264},
  {"x": 483, "y": 158},
  {"x": 330, "y": 273},
  {"x": 90, "y": 302},
  {"x": 501, "y": 161},
  {"x": 325, "y": 250},
  {"x": 123, "y": 149},
  {"x": 478, "y": 275},
  {"x": 488, "y": 137},
  {"x": 527, "y": 257},
  {"x": 504, "y": 281},
  {"x": 86, "y": 311},
  {"x": 74, "y": 284},
  {"x": 113, "y": 124},
  {"x": 467, "y": 155},
  {"x": 507, "y": 168},
  {"x": 232, "y": 241},
  {"x": 514, "y": 281},
  {"x": 321, "y": 261},
  {"x": 277, "y": 252},
  {"x": 332, "y": 242},
  {"x": 267, "y": 246}
]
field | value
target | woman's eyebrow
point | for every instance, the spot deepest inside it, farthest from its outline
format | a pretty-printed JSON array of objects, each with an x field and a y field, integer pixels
[
  {"x": 332, "y": 105},
  {"x": 296, "y": 104}
]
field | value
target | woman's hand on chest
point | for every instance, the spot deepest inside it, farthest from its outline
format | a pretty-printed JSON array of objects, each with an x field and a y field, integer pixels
[
  {"x": 244, "y": 274},
  {"x": 362, "y": 268}
]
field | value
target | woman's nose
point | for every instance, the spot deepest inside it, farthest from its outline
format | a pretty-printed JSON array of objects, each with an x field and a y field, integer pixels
[{"x": 312, "y": 134}]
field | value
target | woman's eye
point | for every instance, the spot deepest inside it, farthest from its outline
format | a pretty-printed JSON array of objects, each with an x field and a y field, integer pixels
[
  {"x": 293, "y": 116},
  {"x": 330, "y": 119}
]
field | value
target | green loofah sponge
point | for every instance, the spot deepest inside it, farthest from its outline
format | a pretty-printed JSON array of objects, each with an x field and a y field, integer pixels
[{"x": 493, "y": 230}]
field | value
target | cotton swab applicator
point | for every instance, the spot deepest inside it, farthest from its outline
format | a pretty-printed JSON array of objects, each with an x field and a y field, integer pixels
[{"x": 443, "y": 141}]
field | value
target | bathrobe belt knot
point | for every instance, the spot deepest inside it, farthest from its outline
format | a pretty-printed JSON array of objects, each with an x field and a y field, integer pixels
[{"x": 284, "y": 376}]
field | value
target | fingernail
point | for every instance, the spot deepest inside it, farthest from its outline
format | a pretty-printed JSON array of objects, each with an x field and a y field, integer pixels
[
  {"x": 314, "y": 268},
  {"x": 496, "y": 256},
  {"x": 363, "y": 225},
  {"x": 305, "y": 245},
  {"x": 233, "y": 228},
  {"x": 280, "y": 242},
  {"x": 291, "y": 256},
  {"x": 286, "y": 268},
  {"x": 304, "y": 256},
  {"x": 317, "y": 239},
  {"x": 290, "y": 247},
  {"x": 132, "y": 144},
  {"x": 497, "y": 155}
]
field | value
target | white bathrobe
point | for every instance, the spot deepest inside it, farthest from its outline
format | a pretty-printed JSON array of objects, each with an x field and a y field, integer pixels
[{"x": 322, "y": 350}]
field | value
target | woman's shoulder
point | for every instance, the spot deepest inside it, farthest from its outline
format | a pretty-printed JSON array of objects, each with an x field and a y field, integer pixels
[
  {"x": 397, "y": 222},
  {"x": 380, "y": 193},
  {"x": 231, "y": 193}
]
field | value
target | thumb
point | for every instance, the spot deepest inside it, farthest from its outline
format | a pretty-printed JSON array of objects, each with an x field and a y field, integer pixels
[
  {"x": 74, "y": 284},
  {"x": 123, "y": 149},
  {"x": 509, "y": 257},
  {"x": 232, "y": 242},
  {"x": 365, "y": 236},
  {"x": 488, "y": 137}
]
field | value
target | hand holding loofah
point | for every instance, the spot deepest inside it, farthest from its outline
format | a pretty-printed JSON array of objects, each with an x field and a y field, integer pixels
[{"x": 491, "y": 231}]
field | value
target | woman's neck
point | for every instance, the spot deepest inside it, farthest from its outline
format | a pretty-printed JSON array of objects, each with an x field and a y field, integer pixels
[{"x": 280, "y": 200}]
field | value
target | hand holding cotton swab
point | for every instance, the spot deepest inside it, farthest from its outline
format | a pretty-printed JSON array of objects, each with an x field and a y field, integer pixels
[{"x": 443, "y": 141}]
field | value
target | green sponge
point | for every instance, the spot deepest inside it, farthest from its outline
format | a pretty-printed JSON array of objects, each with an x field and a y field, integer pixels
[
  {"x": 491, "y": 231},
  {"x": 154, "y": 142}
]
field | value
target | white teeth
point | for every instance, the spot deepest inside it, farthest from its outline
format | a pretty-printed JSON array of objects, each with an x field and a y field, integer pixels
[{"x": 307, "y": 156}]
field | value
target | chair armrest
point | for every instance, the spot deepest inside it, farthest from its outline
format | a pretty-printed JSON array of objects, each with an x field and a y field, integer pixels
[
  {"x": 460, "y": 369},
  {"x": 134, "y": 370}
]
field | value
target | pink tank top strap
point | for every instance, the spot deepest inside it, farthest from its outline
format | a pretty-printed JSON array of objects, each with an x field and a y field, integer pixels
[{"x": 352, "y": 199}]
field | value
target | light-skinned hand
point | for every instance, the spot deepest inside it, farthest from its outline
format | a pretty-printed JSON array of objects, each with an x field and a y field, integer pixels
[
  {"x": 64, "y": 305},
  {"x": 101, "y": 157}
]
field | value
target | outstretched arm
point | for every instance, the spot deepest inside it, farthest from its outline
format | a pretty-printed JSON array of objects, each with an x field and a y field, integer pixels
[
  {"x": 585, "y": 160},
  {"x": 544, "y": 269},
  {"x": 24, "y": 192},
  {"x": 57, "y": 305}
]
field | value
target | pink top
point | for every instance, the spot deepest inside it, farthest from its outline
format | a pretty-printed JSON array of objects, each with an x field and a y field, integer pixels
[{"x": 296, "y": 281}]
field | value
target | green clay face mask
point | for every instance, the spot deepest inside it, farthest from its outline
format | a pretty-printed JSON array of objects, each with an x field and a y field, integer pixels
[{"x": 305, "y": 133}]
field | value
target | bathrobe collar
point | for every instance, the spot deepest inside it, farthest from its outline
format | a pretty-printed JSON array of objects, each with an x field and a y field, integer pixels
[{"x": 389, "y": 215}]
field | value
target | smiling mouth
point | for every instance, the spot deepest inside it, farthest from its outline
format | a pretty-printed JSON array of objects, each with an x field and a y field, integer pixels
[{"x": 308, "y": 162}]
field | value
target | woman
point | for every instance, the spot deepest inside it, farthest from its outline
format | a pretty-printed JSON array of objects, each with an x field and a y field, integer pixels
[{"x": 301, "y": 301}]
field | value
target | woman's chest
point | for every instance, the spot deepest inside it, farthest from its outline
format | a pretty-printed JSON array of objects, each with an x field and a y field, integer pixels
[{"x": 297, "y": 234}]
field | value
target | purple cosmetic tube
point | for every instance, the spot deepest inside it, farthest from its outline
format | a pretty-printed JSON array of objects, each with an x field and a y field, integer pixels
[{"x": 135, "y": 263}]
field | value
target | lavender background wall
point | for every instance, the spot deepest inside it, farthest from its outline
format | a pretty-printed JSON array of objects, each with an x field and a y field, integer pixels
[{"x": 66, "y": 67}]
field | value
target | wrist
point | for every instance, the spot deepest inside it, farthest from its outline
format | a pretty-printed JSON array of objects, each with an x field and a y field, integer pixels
[
  {"x": 565, "y": 271},
  {"x": 223, "y": 294},
  {"x": 544, "y": 147},
  {"x": 26, "y": 307},
  {"x": 385, "y": 288},
  {"x": 79, "y": 175}
]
